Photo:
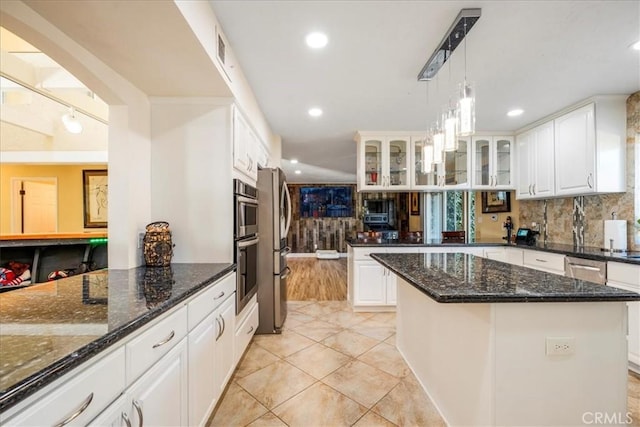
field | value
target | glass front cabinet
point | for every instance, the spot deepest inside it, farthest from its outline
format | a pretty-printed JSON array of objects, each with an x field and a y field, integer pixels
[
  {"x": 383, "y": 162},
  {"x": 492, "y": 163}
]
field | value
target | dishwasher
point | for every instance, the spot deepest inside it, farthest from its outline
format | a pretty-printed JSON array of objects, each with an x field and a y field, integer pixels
[{"x": 586, "y": 269}]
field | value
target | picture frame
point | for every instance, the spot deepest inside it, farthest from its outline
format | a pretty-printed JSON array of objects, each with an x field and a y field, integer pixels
[
  {"x": 415, "y": 204},
  {"x": 95, "y": 192},
  {"x": 496, "y": 201}
]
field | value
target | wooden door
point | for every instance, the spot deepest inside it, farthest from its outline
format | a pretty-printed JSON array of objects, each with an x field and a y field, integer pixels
[{"x": 35, "y": 205}]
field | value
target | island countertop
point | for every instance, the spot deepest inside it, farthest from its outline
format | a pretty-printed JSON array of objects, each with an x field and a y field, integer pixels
[
  {"x": 464, "y": 278},
  {"x": 48, "y": 329}
]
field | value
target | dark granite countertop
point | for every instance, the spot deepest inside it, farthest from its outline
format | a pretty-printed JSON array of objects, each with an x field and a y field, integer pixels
[
  {"x": 464, "y": 278},
  {"x": 80, "y": 316},
  {"x": 570, "y": 250}
]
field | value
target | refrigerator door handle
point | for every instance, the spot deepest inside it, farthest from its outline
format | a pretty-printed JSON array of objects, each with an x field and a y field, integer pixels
[
  {"x": 288, "y": 224},
  {"x": 245, "y": 243},
  {"x": 286, "y": 251},
  {"x": 286, "y": 273}
]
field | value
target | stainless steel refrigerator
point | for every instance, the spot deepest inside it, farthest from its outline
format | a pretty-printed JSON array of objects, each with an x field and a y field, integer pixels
[{"x": 274, "y": 219}]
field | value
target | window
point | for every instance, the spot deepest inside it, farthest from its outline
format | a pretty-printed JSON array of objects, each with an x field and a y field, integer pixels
[{"x": 449, "y": 211}]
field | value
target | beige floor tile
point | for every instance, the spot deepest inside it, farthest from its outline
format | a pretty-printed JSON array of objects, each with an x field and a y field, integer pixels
[
  {"x": 254, "y": 358},
  {"x": 337, "y": 305},
  {"x": 371, "y": 419},
  {"x": 318, "y": 330},
  {"x": 387, "y": 318},
  {"x": 268, "y": 420},
  {"x": 318, "y": 310},
  {"x": 350, "y": 343},
  {"x": 361, "y": 382},
  {"x": 237, "y": 408},
  {"x": 276, "y": 383},
  {"x": 379, "y": 333},
  {"x": 284, "y": 344},
  {"x": 408, "y": 405},
  {"x": 298, "y": 317},
  {"x": 293, "y": 305},
  {"x": 318, "y": 360},
  {"x": 387, "y": 358},
  {"x": 317, "y": 406},
  {"x": 391, "y": 340},
  {"x": 346, "y": 319}
]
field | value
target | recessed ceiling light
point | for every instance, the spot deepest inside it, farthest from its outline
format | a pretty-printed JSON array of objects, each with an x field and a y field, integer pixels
[
  {"x": 298, "y": 172},
  {"x": 315, "y": 112},
  {"x": 316, "y": 40},
  {"x": 294, "y": 161},
  {"x": 636, "y": 45},
  {"x": 515, "y": 112}
]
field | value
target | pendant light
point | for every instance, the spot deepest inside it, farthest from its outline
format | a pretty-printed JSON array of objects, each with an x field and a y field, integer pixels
[
  {"x": 427, "y": 153},
  {"x": 438, "y": 143},
  {"x": 449, "y": 118},
  {"x": 466, "y": 121}
]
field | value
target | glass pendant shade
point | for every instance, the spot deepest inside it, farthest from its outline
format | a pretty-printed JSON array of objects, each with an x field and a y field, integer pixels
[
  {"x": 427, "y": 155},
  {"x": 449, "y": 120},
  {"x": 438, "y": 144},
  {"x": 466, "y": 122}
]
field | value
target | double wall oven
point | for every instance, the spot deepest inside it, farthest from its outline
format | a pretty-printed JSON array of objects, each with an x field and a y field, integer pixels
[{"x": 246, "y": 242}]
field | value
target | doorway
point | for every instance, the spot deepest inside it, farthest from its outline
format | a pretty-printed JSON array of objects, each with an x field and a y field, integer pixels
[{"x": 34, "y": 205}]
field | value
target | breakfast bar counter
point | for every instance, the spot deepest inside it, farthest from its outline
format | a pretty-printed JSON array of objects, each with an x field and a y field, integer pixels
[
  {"x": 48, "y": 329},
  {"x": 498, "y": 344}
]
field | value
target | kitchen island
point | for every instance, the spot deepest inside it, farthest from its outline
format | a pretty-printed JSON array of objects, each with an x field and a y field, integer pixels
[
  {"x": 498, "y": 344},
  {"x": 51, "y": 332}
]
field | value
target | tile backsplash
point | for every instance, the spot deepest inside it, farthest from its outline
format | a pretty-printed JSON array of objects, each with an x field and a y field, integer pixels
[{"x": 580, "y": 220}]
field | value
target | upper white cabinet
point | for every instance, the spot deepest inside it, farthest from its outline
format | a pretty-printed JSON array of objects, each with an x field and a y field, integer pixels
[
  {"x": 454, "y": 171},
  {"x": 424, "y": 176},
  {"x": 578, "y": 151},
  {"x": 535, "y": 163},
  {"x": 492, "y": 162},
  {"x": 245, "y": 145},
  {"x": 590, "y": 148},
  {"x": 383, "y": 162}
]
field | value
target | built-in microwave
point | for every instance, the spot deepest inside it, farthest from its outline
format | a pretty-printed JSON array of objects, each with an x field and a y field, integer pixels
[{"x": 246, "y": 209}]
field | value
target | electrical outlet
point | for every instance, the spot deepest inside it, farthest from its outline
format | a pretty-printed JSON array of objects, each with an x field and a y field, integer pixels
[
  {"x": 140, "y": 240},
  {"x": 560, "y": 346}
]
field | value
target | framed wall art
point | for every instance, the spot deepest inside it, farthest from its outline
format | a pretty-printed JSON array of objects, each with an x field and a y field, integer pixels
[
  {"x": 95, "y": 194},
  {"x": 496, "y": 201}
]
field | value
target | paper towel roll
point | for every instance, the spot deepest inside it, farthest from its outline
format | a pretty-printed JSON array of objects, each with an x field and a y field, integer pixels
[{"x": 616, "y": 230}]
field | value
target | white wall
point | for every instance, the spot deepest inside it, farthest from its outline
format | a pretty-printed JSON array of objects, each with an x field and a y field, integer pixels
[{"x": 191, "y": 175}]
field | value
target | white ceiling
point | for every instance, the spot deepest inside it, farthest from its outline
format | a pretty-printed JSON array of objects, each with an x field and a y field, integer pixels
[{"x": 540, "y": 56}]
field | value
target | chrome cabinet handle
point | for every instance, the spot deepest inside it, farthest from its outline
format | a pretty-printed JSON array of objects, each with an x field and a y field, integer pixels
[
  {"x": 84, "y": 405},
  {"x": 584, "y": 267},
  {"x": 530, "y": 190},
  {"x": 219, "y": 296},
  {"x": 166, "y": 340},
  {"x": 136, "y": 404},
  {"x": 219, "y": 329},
  {"x": 126, "y": 419},
  {"x": 534, "y": 189},
  {"x": 224, "y": 326},
  {"x": 590, "y": 180},
  {"x": 250, "y": 330},
  {"x": 541, "y": 260}
]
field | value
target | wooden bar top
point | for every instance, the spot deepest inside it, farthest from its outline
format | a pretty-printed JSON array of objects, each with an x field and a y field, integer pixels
[{"x": 88, "y": 235}]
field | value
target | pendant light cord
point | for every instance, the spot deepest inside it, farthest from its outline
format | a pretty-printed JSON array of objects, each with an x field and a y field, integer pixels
[{"x": 465, "y": 51}]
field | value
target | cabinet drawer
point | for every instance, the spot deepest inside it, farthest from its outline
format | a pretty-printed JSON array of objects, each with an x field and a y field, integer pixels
[
  {"x": 628, "y": 274},
  {"x": 245, "y": 331},
  {"x": 209, "y": 299},
  {"x": 365, "y": 253},
  {"x": 552, "y": 263},
  {"x": 155, "y": 342},
  {"x": 94, "y": 389}
]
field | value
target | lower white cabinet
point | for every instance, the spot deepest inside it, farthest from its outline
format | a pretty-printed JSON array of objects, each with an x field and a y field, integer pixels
[
  {"x": 245, "y": 329},
  {"x": 627, "y": 277},
  {"x": 371, "y": 283},
  {"x": 543, "y": 261},
  {"x": 159, "y": 397},
  {"x": 224, "y": 357},
  {"x": 202, "y": 390}
]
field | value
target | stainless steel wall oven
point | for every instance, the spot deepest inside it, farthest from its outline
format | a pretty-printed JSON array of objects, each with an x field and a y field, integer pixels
[{"x": 246, "y": 241}]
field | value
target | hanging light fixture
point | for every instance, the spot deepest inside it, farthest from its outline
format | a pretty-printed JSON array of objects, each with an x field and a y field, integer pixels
[
  {"x": 71, "y": 123},
  {"x": 449, "y": 118},
  {"x": 427, "y": 153},
  {"x": 466, "y": 101},
  {"x": 438, "y": 143}
]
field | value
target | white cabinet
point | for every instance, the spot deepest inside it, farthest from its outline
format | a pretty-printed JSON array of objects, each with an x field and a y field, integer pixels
[
  {"x": 372, "y": 286},
  {"x": 424, "y": 176},
  {"x": 263, "y": 158},
  {"x": 492, "y": 162},
  {"x": 245, "y": 329},
  {"x": 244, "y": 146},
  {"x": 383, "y": 162},
  {"x": 454, "y": 171},
  {"x": 224, "y": 354},
  {"x": 159, "y": 397},
  {"x": 590, "y": 148},
  {"x": 79, "y": 399},
  {"x": 627, "y": 277},
  {"x": 203, "y": 395},
  {"x": 544, "y": 261},
  {"x": 535, "y": 170}
]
